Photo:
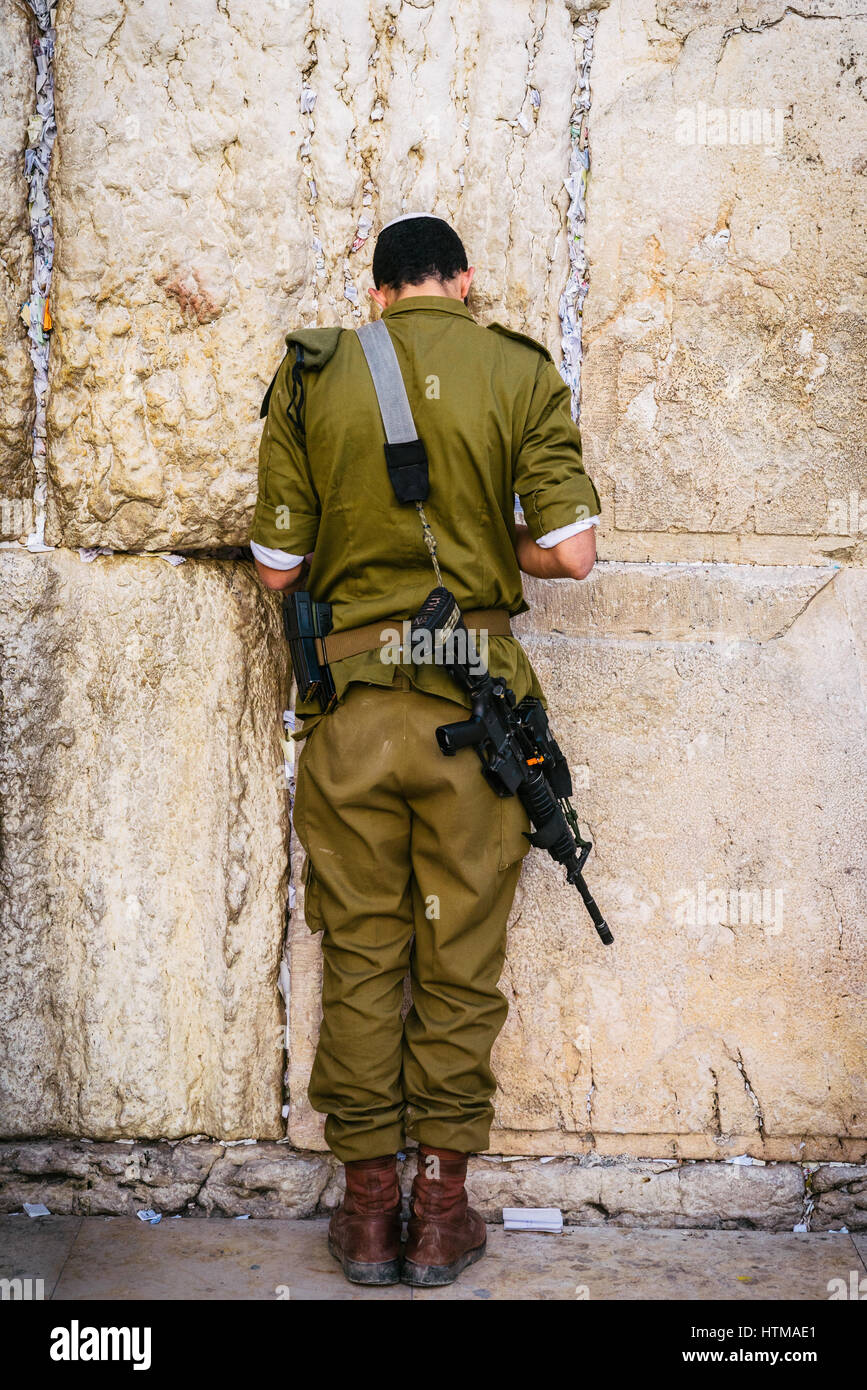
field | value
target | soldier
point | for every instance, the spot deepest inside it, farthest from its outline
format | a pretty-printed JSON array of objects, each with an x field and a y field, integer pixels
[{"x": 411, "y": 859}]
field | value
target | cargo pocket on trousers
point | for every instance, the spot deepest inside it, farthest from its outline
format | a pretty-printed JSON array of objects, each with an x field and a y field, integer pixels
[
  {"x": 514, "y": 822},
  {"x": 312, "y": 896}
]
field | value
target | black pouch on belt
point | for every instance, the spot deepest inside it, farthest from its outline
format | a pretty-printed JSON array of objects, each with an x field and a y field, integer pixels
[{"x": 303, "y": 622}]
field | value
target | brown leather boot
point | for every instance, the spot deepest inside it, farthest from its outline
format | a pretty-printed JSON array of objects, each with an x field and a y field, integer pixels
[
  {"x": 364, "y": 1231},
  {"x": 445, "y": 1234}
]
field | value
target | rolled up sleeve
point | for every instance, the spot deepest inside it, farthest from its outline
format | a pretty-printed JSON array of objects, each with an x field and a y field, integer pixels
[
  {"x": 287, "y": 507},
  {"x": 549, "y": 476}
]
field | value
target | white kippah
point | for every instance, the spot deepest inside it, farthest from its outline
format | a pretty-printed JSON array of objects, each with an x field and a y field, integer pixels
[{"x": 405, "y": 217}]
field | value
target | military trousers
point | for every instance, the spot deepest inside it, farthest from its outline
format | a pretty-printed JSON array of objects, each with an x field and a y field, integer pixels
[{"x": 411, "y": 869}]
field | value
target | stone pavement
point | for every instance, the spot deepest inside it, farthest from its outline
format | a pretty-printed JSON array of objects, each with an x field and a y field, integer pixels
[{"x": 113, "y": 1257}]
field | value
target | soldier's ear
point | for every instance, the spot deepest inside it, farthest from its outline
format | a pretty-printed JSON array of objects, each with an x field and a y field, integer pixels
[{"x": 379, "y": 297}]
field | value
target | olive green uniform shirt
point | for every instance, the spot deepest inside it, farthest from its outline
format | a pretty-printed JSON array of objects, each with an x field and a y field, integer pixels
[{"x": 494, "y": 415}]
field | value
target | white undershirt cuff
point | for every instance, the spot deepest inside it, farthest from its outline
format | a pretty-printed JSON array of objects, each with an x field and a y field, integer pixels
[
  {"x": 275, "y": 559},
  {"x": 552, "y": 538}
]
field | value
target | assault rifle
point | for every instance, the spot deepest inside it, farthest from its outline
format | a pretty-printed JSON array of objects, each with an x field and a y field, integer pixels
[{"x": 514, "y": 743}]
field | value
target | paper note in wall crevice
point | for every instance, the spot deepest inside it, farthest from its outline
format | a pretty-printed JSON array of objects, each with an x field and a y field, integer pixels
[
  {"x": 35, "y": 1209},
  {"x": 549, "y": 1220}
]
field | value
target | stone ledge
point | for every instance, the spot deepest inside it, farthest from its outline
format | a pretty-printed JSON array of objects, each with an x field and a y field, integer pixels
[
  {"x": 680, "y": 602},
  {"x": 269, "y": 1179}
]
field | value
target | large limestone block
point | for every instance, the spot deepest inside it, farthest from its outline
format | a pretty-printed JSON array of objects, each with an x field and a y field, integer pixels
[
  {"x": 462, "y": 109},
  {"x": 217, "y": 175},
  {"x": 839, "y": 1194},
  {"x": 182, "y": 252},
  {"x": 725, "y": 323},
  {"x": 665, "y": 1193},
  {"x": 17, "y": 103},
  {"x": 714, "y": 719},
  {"x": 725, "y": 790},
  {"x": 143, "y": 857}
]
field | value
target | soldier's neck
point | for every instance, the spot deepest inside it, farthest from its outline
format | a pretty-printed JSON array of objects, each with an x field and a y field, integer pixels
[{"x": 427, "y": 287}]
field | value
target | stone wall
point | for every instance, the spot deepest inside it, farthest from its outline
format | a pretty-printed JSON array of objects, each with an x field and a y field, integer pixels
[{"x": 219, "y": 174}]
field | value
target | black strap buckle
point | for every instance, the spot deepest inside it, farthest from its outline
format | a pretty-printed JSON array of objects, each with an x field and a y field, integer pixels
[{"x": 408, "y": 470}]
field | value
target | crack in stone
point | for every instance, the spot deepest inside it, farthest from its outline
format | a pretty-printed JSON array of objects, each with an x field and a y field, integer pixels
[
  {"x": 571, "y": 304},
  {"x": 307, "y": 104},
  {"x": 524, "y": 121},
  {"x": 760, "y": 1119},
  {"x": 37, "y": 162},
  {"x": 839, "y": 916},
  {"x": 761, "y": 27},
  {"x": 321, "y": 1208},
  {"x": 804, "y": 606},
  {"x": 807, "y": 1171},
  {"x": 717, "y": 1116},
  {"x": 194, "y": 1200}
]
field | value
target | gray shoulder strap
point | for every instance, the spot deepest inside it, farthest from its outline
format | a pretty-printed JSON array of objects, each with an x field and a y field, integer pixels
[{"x": 384, "y": 367}]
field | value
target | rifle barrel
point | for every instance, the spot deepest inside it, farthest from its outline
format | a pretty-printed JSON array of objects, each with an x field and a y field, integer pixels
[{"x": 596, "y": 917}]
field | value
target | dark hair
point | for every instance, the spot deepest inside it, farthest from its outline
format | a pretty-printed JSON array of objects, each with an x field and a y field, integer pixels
[{"x": 419, "y": 248}]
